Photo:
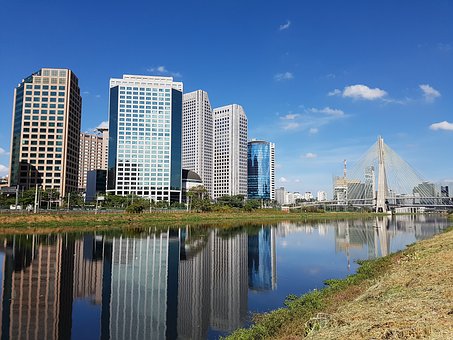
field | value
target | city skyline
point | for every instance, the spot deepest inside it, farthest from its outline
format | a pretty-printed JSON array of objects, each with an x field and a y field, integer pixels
[{"x": 321, "y": 80}]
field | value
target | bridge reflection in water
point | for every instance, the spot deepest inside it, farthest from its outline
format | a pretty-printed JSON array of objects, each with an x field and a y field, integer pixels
[{"x": 184, "y": 283}]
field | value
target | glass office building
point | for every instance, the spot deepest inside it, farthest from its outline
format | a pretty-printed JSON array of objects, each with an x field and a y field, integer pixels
[
  {"x": 145, "y": 122},
  {"x": 261, "y": 170}
]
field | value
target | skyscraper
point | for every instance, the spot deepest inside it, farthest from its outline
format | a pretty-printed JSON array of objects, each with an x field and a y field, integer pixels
[
  {"x": 197, "y": 136},
  {"x": 230, "y": 151},
  {"x": 46, "y": 131},
  {"x": 261, "y": 170},
  {"x": 145, "y": 137},
  {"x": 93, "y": 154}
]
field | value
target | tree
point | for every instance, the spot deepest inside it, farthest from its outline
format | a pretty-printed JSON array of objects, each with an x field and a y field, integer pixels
[
  {"x": 251, "y": 205},
  {"x": 236, "y": 201},
  {"x": 198, "y": 198},
  {"x": 138, "y": 206}
]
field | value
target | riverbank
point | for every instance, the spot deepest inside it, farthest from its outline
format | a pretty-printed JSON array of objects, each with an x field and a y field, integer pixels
[
  {"x": 408, "y": 294},
  {"x": 59, "y": 222}
]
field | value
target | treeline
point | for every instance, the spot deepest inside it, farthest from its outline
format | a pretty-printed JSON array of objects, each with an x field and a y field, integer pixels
[{"x": 198, "y": 200}]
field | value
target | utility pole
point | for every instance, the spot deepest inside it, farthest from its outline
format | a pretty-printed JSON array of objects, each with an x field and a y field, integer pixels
[
  {"x": 17, "y": 196},
  {"x": 36, "y": 200},
  {"x": 69, "y": 197}
]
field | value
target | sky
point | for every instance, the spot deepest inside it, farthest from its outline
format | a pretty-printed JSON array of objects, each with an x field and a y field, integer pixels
[{"x": 321, "y": 79}]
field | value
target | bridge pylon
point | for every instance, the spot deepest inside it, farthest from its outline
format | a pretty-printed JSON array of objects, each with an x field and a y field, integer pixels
[{"x": 381, "y": 205}]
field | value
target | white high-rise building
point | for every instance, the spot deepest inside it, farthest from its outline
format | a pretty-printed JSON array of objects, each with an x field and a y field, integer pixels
[
  {"x": 197, "y": 136},
  {"x": 280, "y": 196},
  {"x": 145, "y": 123},
  {"x": 230, "y": 151},
  {"x": 322, "y": 196}
]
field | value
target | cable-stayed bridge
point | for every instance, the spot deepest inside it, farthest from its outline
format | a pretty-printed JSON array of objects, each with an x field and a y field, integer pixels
[{"x": 383, "y": 181}]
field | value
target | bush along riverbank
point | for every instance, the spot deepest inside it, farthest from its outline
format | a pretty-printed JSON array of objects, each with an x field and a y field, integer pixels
[{"x": 408, "y": 294}]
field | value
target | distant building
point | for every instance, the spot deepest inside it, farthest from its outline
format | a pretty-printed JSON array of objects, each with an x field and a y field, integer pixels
[
  {"x": 321, "y": 196},
  {"x": 230, "y": 151},
  {"x": 4, "y": 182},
  {"x": 297, "y": 196},
  {"x": 96, "y": 184},
  {"x": 444, "y": 194},
  {"x": 197, "y": 136},
  {"x": 145, "y": 122},
  {"x": 280, "y": 195},
  {"x": 427, "y": 192},
  {"x": 190, "y": 179},
  {"x": 291, "y": 197},
  {"x": 261, "y": 170},
  {"x": 46, "y": 131},
  {"x": 93, "y": 154},
  {"x": 308, "y": 196}
]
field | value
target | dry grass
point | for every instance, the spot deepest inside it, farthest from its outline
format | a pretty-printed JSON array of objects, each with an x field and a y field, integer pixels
[{"x": 413, "y": 299}]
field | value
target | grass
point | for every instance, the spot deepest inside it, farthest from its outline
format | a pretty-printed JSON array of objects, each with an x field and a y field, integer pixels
[
  {"x": 44, "y": 223},
  {"x": 408, "y": 294}
]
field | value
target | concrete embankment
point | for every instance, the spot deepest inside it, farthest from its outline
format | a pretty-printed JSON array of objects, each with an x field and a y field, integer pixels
[{"x": 405, "y": 295}]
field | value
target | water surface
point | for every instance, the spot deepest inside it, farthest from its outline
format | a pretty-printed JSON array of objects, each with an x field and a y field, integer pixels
[{"x": 187, "y": 283}]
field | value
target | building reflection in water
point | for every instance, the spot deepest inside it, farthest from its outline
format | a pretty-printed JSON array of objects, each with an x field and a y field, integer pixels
[
  {"x": 262, "y": 271},
  {"x": 37, "y": 288},
  {"x": 173, "y": 284}
]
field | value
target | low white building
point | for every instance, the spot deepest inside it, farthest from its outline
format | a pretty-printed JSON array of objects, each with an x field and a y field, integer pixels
[
  {"x": 321, "y": 196},
  {"x": 308, "y": 196}
]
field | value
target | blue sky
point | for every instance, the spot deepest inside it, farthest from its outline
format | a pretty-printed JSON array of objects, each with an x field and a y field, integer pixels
[{"x": 321, "y": 79}]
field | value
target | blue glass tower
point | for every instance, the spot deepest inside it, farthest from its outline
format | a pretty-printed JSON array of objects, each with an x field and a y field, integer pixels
[{"x": 261, "y": 174}]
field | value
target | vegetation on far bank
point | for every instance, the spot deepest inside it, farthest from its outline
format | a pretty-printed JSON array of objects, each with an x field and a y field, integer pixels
[
  {"x": 404, "y": 295},
  {"x": 20, "y": 223}
]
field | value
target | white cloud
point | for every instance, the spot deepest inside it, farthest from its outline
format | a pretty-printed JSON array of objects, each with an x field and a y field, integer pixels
[
  {"x": 4, "y": 170},
  {"x": 328, "y": 111},
  {"x": 86, "y": 92},
  {"x": 335, "y": 92},
  {"x": 291, "y": 126},
  {"x": 283, "y": 76},
  {"x": 291, "y": 116},
  {"x": 283, "y": 180},
  {"x": 163, "y": 71},
  {"x": 98, "y": 96},
  {"x": 103, "y": 125},
  {"x": 363, "y": 92},
  {"x": 313, "y": 131},
  {"x": 429, "y": 93},
  {"x": 445, "y": 47},
  {"x": 310, "y": 155},
  {"x": 3, "y": 152},
  {"x": 285, "y": 26},
  {"x": 442, "y": 126}
]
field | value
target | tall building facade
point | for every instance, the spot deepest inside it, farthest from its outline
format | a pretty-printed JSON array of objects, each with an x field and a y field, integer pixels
[
  {"x": 46, "y": 131},
  {"x": 281, "y": 196},
  {"x": 145, "y": 123},
  {"x": 230, "y": 151},
  {"x": 197, "y": 136},
  {"x": 261, "y": 170},
  {"x": 93, "y": 154}
]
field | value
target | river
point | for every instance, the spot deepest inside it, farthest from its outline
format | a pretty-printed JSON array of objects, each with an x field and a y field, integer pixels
[{"x": 186, "y": 283}]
